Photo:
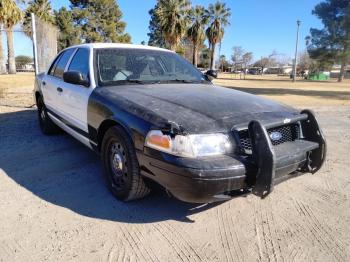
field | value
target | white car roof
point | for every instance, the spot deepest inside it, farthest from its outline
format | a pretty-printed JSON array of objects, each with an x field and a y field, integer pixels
[{"x": 119, "y": 45}]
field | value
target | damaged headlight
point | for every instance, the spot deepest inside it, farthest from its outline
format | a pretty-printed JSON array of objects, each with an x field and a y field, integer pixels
[{"x": 189, "y": 145}]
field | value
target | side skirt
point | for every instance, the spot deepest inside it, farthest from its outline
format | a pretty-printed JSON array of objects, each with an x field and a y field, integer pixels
[{"x": 72, "y": 132}]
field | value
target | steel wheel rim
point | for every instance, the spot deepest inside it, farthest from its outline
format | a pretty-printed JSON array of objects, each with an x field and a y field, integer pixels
[{"x": 118, "y": 164}]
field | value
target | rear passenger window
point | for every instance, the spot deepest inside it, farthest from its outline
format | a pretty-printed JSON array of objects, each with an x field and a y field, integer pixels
[
  {"x": 62, "y": 62},
  {"x": 80, "y": 62}
]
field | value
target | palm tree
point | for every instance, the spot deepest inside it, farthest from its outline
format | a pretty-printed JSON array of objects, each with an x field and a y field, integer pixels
[
  {"x": 196, "y": 31},
  {"x": 218, "y": 15},
  {"x": 42, "y": 10},
  {"x": 172, "y": 15},
  {"x": 10, "y": 15},
  {"x": 2, "y": 57}
]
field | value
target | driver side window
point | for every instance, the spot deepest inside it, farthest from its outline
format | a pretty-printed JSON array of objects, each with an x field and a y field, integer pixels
[{"x": 80, "y": 62}]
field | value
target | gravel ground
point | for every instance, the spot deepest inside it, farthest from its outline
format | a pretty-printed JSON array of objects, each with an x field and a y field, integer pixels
[{"x": 55, "y": 207}]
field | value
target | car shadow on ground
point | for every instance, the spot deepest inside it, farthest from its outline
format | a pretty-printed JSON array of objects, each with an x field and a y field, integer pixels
[{"x": 61, "y": 171}]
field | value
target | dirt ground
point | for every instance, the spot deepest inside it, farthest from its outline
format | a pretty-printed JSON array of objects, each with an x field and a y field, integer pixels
[{"x": 55, "y": 207}]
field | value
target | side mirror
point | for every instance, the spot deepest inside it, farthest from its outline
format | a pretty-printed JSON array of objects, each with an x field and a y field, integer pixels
[
  {"x": 211, "y": 74},
  {"x": 75, "y": 78}
]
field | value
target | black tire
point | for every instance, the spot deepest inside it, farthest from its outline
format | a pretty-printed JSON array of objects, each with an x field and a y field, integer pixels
[
  {"x": 120, "y": 166},
  {"x": 46, "y": 125}
]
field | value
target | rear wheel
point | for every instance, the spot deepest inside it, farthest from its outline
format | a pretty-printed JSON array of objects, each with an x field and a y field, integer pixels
[
  {"x": 120, "y": 166},
  {"x": 46, "y": 125}
]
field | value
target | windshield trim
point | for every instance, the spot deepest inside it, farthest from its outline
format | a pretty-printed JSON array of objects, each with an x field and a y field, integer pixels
[{"x": 145, "y": 82}]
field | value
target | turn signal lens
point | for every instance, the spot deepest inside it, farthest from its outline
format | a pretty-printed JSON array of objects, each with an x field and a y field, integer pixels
[{"x": 156, "y": 139}]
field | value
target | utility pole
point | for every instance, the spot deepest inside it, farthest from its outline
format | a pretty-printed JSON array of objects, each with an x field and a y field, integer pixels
[
  {"x": 296, "y": 52},
  {"x": 35, "y": 48}
]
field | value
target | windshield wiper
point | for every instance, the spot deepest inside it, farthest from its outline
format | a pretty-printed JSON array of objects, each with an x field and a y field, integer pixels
[
  {"x": 137, "y": 81},
  {"x": 181, "y": 81}
]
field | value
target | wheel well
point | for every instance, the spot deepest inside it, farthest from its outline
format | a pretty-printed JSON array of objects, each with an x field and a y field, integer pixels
[{"x": 103, "y": 129}]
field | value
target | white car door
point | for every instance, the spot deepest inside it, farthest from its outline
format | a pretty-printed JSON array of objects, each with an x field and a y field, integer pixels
[
  {"x": 53, "y": 81},
  {"x": 75, "y": 97}
]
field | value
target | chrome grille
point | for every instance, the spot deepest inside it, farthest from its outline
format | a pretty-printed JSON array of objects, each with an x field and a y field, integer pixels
[{"x": 288, "y": 133}]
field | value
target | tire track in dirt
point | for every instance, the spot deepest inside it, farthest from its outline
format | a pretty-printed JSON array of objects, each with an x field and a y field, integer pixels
[
  {"x": 4, "y": 250},
  {"x": 186, "y": 239},
  {"x": 309, "y": 228},
  {"x": 327, "y": 199},
  {"x": 12, "y": 247},
  {"x": 229, "y": 239},
  {"x": 128, "y": 248},
  {"x": 210, "y": 254},
  {"x": 120, "y": 256},
  {"x": 135, "y": 238},
  {"x": 179, "y": 244},
  {"x": 296, "y": 253},
  {"x": 319, "y": 233},
  {"x": 172, "y": 243},
  {"x": 140, "y": 238},
  {"x": 328, "y": 177},
  {"x": 271, "y": 226},
  {"x": 136, "y": 250},
  {"x": 266, "y": 232},
  {"x": 232, "y": 228},
  {"x": 328, "y": 195}
]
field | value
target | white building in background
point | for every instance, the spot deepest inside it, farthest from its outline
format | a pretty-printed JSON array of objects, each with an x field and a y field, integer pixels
[
  {"x": 336, "y": 71},
  {"x": 26, "y": 68},
  {"x": 284, "y": 70}
]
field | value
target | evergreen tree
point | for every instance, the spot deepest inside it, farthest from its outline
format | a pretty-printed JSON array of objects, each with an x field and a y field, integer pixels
[
  {"x": 332, "y": 43},
  {"x": 99, "y": 21},
  {"x": 156, "y": 38},
  {"x": 22, "y": 60},
  {"x": 68, "y": 34}
]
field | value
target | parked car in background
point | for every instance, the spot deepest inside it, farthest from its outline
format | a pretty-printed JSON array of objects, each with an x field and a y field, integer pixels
[
  {"x": 152, "y": 116},
  {"x": 255, "y": 71}
]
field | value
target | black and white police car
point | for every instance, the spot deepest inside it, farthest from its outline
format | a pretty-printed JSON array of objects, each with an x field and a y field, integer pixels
[{"x": 152, "y": 116}]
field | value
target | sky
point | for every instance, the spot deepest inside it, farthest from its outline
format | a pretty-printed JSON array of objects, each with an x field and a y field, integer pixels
[{"x": 258, "y": 26}]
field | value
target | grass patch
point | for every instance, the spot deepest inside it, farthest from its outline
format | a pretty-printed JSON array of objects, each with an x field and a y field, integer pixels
[{"x": 17, "y": 80}]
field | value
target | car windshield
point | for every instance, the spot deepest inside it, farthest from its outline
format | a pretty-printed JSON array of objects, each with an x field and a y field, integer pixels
[{"x": 129, "y": 66}]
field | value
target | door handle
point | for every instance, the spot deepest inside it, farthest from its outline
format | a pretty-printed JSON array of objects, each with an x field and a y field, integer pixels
[{"x": 59, "y": 89}]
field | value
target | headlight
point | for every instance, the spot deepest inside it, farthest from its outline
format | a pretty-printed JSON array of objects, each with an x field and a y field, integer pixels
[{"x": 189, "y": 145}]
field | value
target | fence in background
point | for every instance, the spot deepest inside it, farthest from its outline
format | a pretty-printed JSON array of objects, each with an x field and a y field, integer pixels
[
  {"x": 45, "y": 43},
  {"x": 42, "y": 39}
]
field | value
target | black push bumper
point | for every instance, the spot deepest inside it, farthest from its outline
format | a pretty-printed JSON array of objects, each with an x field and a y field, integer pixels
[
  {"x": 213, "y": 179},
  {"x": 273, "y": 164}
]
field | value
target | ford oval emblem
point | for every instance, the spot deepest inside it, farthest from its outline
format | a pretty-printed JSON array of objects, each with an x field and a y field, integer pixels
[{"x": 275, "y": 136}]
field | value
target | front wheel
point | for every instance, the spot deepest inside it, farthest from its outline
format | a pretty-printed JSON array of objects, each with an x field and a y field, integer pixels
[{"x": 120, "y": 166}]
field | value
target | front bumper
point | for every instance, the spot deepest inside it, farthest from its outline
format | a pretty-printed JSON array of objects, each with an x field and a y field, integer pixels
[{"x": 213, "y": 179}]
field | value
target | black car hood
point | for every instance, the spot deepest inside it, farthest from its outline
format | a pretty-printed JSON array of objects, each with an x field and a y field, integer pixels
[{"x": 198, "y": 108}]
